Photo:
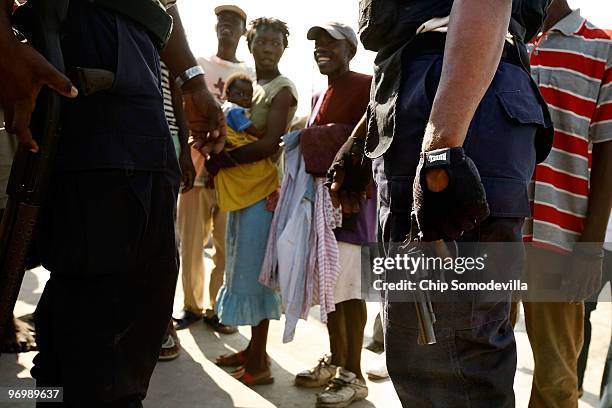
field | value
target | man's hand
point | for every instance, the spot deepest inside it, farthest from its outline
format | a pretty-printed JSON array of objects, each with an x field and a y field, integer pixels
[
  {"x": 582, "y": 277},
  {"x": 24, "y": 72},
  {"x": 204, "y": 117},
  {"x": 188, "y": 172},
  {"x": 448, "y": 195}
]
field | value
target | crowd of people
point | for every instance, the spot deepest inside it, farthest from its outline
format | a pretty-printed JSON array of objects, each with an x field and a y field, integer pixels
[{"x": 523, "y": 121}]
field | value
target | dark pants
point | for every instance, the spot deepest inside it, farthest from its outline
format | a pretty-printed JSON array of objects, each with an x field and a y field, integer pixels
[
  {"x": 474, "y": 361},
  {"x": 589, "y": 307},
  {"x": 108, "y": 239}
]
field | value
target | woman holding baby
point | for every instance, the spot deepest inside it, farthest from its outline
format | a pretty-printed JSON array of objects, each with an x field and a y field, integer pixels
[{"x": 243, "y": 300}]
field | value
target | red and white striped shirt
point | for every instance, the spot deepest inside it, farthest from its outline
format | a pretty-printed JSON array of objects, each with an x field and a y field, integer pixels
[{"x": 572, "y": 64}]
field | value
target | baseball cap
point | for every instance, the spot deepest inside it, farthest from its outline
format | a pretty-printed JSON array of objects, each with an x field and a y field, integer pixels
[
  {"x": 337, "y": 30},
  {"x": 231, "y": 8}
]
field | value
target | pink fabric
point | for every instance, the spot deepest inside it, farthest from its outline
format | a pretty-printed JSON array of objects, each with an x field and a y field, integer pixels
[
  {"x": 323, "y": 259},
  {"x": 327, "y": 258}
]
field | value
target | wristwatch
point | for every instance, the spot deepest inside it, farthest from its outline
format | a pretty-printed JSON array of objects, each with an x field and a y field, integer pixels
[{"x": 188, "y": 74}]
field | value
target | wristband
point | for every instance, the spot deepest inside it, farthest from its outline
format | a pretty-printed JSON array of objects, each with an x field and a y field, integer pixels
[{"x": 188, "y": 74}]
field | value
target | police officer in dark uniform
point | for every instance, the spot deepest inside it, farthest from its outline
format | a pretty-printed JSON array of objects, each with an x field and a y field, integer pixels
[
  {"x": 107, "y": 233},
  {"x": 455, "y": 128}
]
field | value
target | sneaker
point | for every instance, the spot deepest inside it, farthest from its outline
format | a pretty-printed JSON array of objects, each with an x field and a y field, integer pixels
[
  {"x": 344, "y": 389},
  {"x": 170, "y": 349},
  {"x": 375, "y": 347},
  {"x": 378, "y": 370},
  {"x": 318, "y": 376}
]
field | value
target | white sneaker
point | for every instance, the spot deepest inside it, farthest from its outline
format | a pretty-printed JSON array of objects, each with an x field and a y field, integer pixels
[
  {"x": 378, "y": 370},
  {"x": 343, "y": 389}
]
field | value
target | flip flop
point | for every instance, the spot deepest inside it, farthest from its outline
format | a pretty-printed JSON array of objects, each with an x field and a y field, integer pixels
[
  {"x": 236, "y": 359},
  {"x": 231, "y": 359},
  {"x": 238, "y": 373},
  {"x": 249, "y": 380}
]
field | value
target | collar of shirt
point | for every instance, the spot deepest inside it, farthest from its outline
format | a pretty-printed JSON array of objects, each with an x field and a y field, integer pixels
[
  {"x": 213, "y": 58},
  {"x": 570, "y": 24}
]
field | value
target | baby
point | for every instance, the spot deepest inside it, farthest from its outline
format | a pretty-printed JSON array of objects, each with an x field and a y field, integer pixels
[
  {"x": 239, "y": 94},
  {"x": 241, "y": 185}
]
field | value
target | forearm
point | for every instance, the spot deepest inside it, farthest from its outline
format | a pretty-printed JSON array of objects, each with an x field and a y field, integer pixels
[
  {"x": 474, "y": 44},
  {"x": 600, "y": 194},
  {"x": 259, "y": 150},
  {"x": 6, "y": 7},
  {"x": 6, "y": 32}
]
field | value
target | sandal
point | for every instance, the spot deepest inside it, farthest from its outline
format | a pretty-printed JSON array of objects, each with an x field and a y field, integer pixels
[
  {"x": 236, "y": 359},
  {"x": 249, "y": 380},
  {"x": 238, "y": 373},
  {"x": 231, "y": 359}
]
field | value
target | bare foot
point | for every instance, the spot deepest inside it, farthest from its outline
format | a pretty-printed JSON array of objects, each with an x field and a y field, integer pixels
[{"x": 19, "y": 337}]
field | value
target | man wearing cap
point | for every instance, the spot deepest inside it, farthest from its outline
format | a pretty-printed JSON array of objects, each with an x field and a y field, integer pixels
[
  {"x": 198, "y": 213},
  {"x": 335, "y": 113},
  {"x": 455, "y": 127}
]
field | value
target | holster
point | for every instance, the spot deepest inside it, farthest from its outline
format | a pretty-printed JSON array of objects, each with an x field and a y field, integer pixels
[{"x": 376, "y": 21}]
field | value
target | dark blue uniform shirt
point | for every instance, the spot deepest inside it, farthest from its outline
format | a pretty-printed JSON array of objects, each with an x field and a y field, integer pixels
[{"x": 124, "y": 128}]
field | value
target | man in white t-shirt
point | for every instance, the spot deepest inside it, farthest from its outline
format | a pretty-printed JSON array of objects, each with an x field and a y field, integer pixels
[{"x": 198, "y": 213}]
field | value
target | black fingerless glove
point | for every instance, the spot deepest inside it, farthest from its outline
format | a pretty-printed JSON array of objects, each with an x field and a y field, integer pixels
[
  {"x": 457, "y": 208},
  {"x": 356, "y": 167}
]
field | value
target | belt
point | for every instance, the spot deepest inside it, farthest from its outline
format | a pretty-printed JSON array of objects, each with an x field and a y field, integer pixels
[{"x": 434, "y": 42}]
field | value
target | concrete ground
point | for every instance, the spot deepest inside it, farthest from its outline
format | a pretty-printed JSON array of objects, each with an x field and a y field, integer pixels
[{"x": 193, "y": 380}]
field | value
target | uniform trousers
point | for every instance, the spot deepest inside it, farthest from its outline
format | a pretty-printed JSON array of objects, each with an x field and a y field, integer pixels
[{"x": 107, "y": 237}]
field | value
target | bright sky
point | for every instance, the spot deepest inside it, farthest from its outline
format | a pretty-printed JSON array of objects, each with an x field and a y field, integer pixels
[{"x": 298, "y": 63}]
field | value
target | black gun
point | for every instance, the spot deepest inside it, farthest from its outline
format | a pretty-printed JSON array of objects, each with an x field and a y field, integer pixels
[{"x": 40, "y": 21}]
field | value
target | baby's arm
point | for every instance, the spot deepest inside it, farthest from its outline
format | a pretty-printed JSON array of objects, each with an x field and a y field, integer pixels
[{"x": 252, "y": 130}]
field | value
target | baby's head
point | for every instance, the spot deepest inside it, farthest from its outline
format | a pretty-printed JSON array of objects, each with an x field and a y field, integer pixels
[{"x": 239, "y": 90}]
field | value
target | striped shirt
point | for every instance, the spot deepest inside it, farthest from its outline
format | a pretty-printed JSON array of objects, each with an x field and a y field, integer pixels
[
  {"x": 168, "y": 108},
  {"x": 572, "y": 64}
]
